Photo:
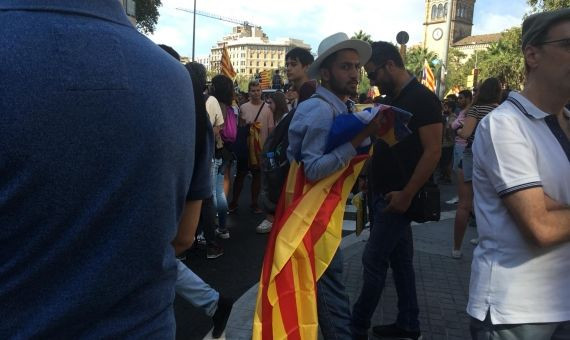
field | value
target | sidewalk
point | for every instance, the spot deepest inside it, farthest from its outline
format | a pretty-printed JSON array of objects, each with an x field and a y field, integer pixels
[{"x": 442, "y": 284}]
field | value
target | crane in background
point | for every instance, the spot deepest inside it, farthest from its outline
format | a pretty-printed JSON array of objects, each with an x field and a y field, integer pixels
[{"x": 243, "y": 23}]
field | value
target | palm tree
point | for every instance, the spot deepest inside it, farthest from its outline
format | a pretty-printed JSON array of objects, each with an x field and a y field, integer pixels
[
  {"x": 415, "y": 58},
  {"x": 361, "y": 35}
]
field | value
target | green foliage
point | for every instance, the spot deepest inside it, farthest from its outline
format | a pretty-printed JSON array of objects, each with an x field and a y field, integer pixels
[
  {"x": 364, "y": 83},
  {"x": 415, "y": 58},
  {"x": 504, "y": 60},
  {"x": 146, "y": 12},
  {"x": 547, "y": 5},
  {"x": 457, "y": 72},
  {"x": 361, "y": 35}
]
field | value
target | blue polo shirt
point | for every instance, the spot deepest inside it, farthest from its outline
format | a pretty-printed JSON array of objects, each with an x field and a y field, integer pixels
[{"x": 96, "y": 158}]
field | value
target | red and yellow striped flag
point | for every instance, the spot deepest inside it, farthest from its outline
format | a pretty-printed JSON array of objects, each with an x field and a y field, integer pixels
[
  {"x": 226, "y": 67},
  {"x": 265, "y": 81},
  {"x": 427, "y": 77},
  {"x": 305, "y": 236}
]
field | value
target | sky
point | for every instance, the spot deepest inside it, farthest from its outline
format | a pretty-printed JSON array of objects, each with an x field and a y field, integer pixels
[{"x": 313, "y": 20}]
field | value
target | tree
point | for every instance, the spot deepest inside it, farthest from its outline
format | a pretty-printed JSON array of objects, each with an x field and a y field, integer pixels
[
  {"x": 547, "y": 5},
  {"x": 415, "y": 58},
  {"x": 504, "y": 60},
  {"x": 457, "y": 71},
  {"x": 361, "y": 35},
  {"x": 146, "y": 13}
]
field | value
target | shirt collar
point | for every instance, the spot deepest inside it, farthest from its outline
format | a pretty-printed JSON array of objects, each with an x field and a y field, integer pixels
[
  {"x": 528, "y": 108},
  {"x": 338, "y": 104},
  {"x": 110, "y": 10}
]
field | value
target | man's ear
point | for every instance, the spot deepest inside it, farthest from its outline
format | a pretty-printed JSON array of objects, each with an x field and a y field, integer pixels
[
  {"x": 531, "y": 56},
  {"x": 325, "y": 74},
  {"x": 306, "y": 68}
]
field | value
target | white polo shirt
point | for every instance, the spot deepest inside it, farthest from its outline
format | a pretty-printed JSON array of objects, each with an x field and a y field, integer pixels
[{"x": 513, "y": 279}]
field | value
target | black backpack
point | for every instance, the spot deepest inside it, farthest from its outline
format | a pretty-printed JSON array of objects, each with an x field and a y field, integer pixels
[{"x": 274, "y": 163}]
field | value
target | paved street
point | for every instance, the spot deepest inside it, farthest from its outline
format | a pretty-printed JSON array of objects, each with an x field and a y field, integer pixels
[{"x": 442, "y": 282}]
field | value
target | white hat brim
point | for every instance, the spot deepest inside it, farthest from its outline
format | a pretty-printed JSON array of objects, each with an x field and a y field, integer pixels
[{"x": 362, "y": 48}]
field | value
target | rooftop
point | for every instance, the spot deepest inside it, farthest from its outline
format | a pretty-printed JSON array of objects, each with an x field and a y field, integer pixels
[{"x": 479, "y": 39}]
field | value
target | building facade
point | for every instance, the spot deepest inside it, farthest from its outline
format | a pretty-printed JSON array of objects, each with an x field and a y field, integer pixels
[
  {"x": 435, "y": 23},
  {"x": 129, "y": 6},
  {"x": 251, "y": 51}
]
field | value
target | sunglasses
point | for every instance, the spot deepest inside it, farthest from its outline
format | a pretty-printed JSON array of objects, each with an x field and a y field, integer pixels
[
  {"x": 564, "y": 43},
  {"x": 372, "y": 75}
]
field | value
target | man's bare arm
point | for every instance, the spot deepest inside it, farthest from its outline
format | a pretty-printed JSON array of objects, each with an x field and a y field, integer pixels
[
  {"x": 187, "y": 226},
  {"x": 543, "y": 221}
]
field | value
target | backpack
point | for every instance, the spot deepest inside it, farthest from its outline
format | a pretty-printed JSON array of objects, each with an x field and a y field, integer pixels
[
  {"x": 274, "y": 162},
  {"x": 229, "y": 131}
]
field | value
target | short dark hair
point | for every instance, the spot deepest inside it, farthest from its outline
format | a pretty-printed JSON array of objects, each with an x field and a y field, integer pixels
[
  {"x": 198, "y": 74},
  {"x": 451, "y": 97},
  {"x": 489, "y": 92},
  {"x": 170, "y": 51},
  {"x": 253, "y": 82},
  {"x": 382, "y": 51},
  {"x": 466, "y": 94},
  {"x": 223, "y": 89},
  {"x": 450, "y": 104},
  {"x": 302, "y": 55}
]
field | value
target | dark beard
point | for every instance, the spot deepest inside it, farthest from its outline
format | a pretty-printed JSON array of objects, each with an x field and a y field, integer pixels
[
  {"x": 338, "y": 89},
  {"x": 388, "y": 88}
]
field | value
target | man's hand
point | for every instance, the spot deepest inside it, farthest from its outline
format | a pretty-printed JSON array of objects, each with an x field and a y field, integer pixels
[{"x": 398, "y": 202}]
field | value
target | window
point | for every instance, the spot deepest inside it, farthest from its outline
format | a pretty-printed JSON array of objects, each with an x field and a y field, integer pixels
[
  {"x": 271, "y": 64},
  {"x": 257, "y": 63},
  {"x": 445, "y": 10},
  {"x": 433, "y": 12},
  {"x": 251, "y": 63},
  {"x": 440, "y": 11},
  {"x": 264, "y": 63},
  {"x": 250, "y": 71}
]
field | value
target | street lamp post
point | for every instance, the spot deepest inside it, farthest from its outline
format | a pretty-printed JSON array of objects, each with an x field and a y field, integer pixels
[
  {"x": 475, "y": 69},
  {"x": 194, "y": 32}
]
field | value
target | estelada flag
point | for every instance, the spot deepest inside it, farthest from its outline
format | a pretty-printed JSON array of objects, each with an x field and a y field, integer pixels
[
  {"x": 226, "y": 67},
  {"x": 265, "y": 81},
  {"x": 305, "y": 236},
  {"x": 427, "y": 77}
]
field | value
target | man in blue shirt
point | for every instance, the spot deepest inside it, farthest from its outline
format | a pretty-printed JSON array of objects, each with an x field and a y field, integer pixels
[
  {"x": 338, "y": 67},
  {"x": 97, "y": 132}
]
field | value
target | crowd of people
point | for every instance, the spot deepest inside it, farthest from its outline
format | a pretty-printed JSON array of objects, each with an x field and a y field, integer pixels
[{"x": 116, "y": 159}]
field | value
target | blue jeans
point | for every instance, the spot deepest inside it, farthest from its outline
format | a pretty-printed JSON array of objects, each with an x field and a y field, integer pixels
[
  {"x": 390, "y": 245},
  {"x": 219, "y": 197},
  {"x": 332, "y": 301},
  {"x": 194, "y": 290}
]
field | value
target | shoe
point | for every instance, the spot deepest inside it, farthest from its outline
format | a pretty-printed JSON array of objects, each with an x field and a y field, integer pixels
[
  {"x": 222, "y": 233},
  {"x": 213, "y": 251},
  {"x": 393, "y": 331},
  {"x": 264, "y": 227},
  {"x": 221, "y": 316},
  {"x": 201, "y": 239},
  {"x": 474, "y": 241},
  {"x": 456, "y": 254},
  {"x": 454, "y": 200},
  {"x": 232, "y": 208}
]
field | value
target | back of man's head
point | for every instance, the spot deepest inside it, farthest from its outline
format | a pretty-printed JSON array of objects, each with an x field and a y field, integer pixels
[
  {"x": 198, "y": 74},
  {"x": 466, "y": 94},
  {"x": 301, "y": 55},
  {"x": 382, "y": 51},
  {"x": 170, "y": 51}
]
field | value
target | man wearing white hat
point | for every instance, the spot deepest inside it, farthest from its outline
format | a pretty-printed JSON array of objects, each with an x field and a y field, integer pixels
[{"x": 338, "y": 67}]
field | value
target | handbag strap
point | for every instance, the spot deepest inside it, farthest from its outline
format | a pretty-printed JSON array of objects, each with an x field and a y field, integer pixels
[{"x": 258, "y": 112}]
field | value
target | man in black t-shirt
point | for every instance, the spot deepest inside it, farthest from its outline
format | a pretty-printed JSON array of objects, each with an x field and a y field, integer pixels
[{"x": 396, "y": 174}]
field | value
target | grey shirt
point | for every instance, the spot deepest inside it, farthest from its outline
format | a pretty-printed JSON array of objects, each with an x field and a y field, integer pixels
[{"x": 308, "y": 136}]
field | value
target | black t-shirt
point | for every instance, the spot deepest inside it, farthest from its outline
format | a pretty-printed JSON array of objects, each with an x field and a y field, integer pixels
[{"x": 391, "y": 167}]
